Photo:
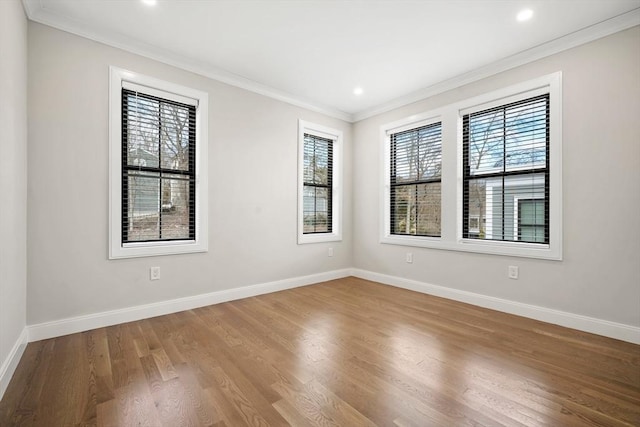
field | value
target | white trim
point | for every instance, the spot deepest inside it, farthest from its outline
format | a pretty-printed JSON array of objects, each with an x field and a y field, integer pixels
[
  {"x": 36, "y": 12},
  {"x": 87, "y": 322},
  {"x": 592, "y": 325},
  {"x": 10, "y": 364},
  {"x": 551, "y": 84},
  {"x": 580, "y": 37},
  {"x": 117, "y": 79},
  {"x": 336, "y": 201}
]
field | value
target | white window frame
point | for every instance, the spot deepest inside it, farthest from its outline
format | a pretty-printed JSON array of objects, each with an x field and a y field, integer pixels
[
  {"x": 305, "y": 127},
  {"x": 117, "y": 78},
  {"x": 452, "y": 199}
]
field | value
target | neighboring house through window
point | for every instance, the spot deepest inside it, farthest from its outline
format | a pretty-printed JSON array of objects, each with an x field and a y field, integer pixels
[{"x": 505, "y": 155}]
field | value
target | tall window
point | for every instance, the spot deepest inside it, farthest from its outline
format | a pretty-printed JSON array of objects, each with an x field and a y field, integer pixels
[
  {"x": 415, "y": 181},
  {"x": 158, "y": 168},
  {"x": 319, "y": 183},
  {"x": 506, "y": 172}
]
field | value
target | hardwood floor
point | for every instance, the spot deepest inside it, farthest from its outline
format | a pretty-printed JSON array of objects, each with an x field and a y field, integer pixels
[{"x": 343, "y": 353}]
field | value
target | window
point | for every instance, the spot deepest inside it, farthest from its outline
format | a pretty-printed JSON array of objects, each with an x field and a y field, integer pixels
[
  {"x": 416, "y": 156},
  {"x": 317, "y": 190},
  {"x": 158, "y": 167},
  {"x": 505, "y": 156},
  {"x": 493, "y": 182},
  {"x": 530, "y": 220},
  {"x": 319, "y": 177}
]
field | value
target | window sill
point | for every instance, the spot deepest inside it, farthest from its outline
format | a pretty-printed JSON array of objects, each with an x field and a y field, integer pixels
[
  {"x": 513, "y": 249},
  {"x": 147, "y": 249},
  {"x": 319, "y": 238}
]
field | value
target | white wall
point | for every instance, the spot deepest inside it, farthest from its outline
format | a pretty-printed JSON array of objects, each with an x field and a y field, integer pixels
[
  {"x": 600, "y": 274},
  {"x": 13, "y": 187},
  {"x": 252, "y": 183}
]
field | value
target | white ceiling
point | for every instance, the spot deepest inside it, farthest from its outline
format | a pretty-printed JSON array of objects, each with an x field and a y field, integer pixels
[{"x": 314, "y": 53}]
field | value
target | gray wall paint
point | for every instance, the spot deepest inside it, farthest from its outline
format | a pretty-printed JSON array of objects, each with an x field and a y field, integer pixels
[
  {"x": 252, "y": 188},
  {"x": 253, "y": 205},
  {"x": 13, "y": 174},
  {"x": 600, "y": 273}
]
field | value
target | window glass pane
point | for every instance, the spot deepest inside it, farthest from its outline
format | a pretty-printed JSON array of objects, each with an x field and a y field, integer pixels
[
  {"x": 175, "y": 127},
  {"x": 316, "y": 210},
  {"x": 143, "y": 132},
  {"x": 317, "y": 160},
  {"x": 533, "y": 234},
  {"x": 526, "y": 136},
  {"x": 477, "y": 203},
  {"x": 417, "y": 154},
  {"x": 158, "y": 207},
  {"x": 175, "y": 207},
  {"x": 416, "y": 209},
  {"x": 143, "y": 207},
  {"x": 491, "y": 205},
  {"x": 515, "y": 135},
  {"x": 404, "y": 212},
  {"x": 486, "y": 142},
  {"x": 532, "y": 212},
  {"x": 428, "y": 209}
]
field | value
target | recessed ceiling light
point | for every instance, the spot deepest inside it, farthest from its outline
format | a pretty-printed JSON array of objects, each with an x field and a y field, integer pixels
[
  {"x": 150, "y": 2},
  {"x": 358, "y": 91},
  {"x": 524, "y": 15}
]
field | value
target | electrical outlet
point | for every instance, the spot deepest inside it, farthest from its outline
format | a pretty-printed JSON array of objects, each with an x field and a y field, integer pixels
[
  {"x": 513, "y": 272},
  {"x": 154, "y": 273},
  {"x": 330, "y": 252},
  {"x": 409, "y": 258}
]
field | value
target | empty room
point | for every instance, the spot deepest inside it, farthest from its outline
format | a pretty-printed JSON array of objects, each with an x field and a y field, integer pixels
[{"x": 319, "y": 213}]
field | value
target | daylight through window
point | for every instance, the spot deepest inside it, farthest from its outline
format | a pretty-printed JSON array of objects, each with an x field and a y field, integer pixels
[
  {"x": 415, "y": 182},
  {"x": 158, "y": 169},
  {"x": 506, "y": 172},
  {"x": 318, "y": 184}
]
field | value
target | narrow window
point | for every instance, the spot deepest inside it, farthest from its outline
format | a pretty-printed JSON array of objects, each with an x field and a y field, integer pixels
[
  {"x": 506, "y": 172},
  {"x": 318, "y": 184},
  {"x": 415, "y": 181}
]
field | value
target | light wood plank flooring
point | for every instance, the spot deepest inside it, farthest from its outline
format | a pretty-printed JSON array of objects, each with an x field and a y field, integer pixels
[{"x": 343, "y": 353}]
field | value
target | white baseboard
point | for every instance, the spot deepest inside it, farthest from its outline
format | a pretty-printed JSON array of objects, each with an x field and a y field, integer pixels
[
  {"x": 10, "y": 364},
  {"x": 73, "y": 325},
  {"x": 575, "y": 321}
]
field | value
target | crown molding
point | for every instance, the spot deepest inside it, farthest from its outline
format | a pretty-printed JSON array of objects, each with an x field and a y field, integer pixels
[
  {"x": 577, "y": 38},
  {"x": 37, "y": 13}
]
